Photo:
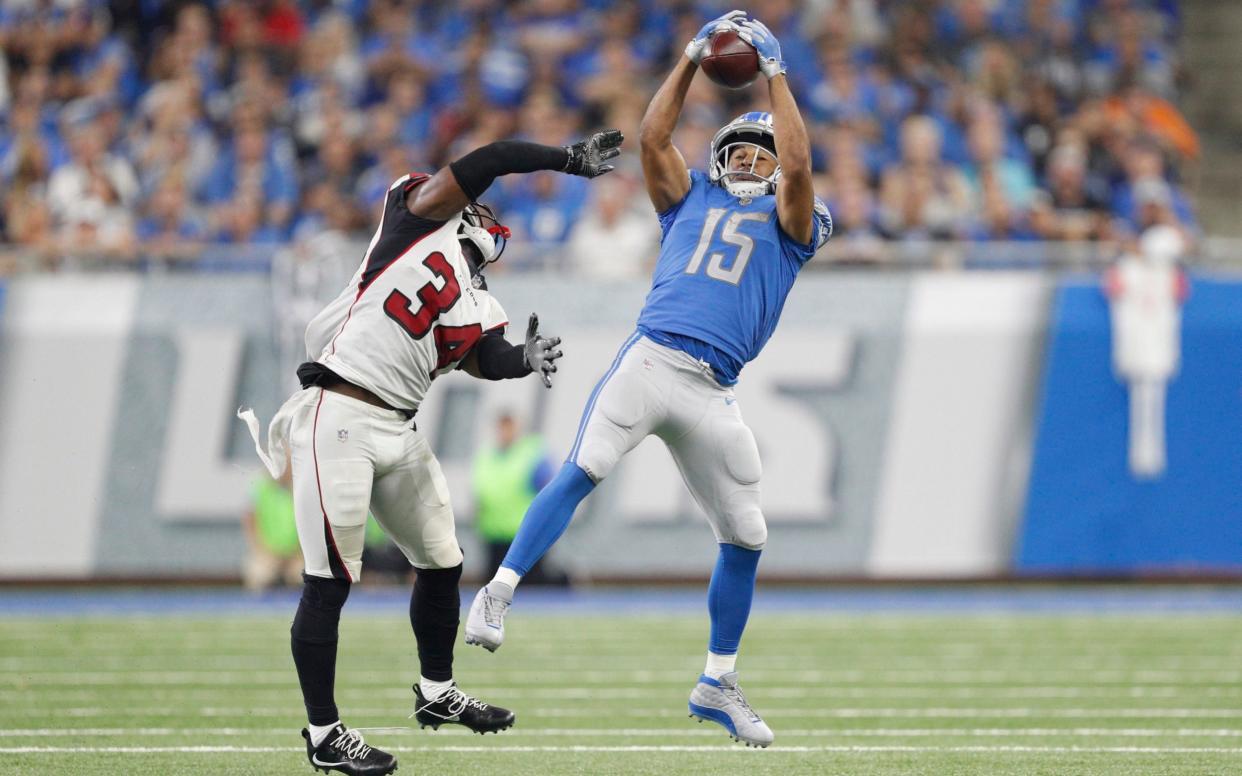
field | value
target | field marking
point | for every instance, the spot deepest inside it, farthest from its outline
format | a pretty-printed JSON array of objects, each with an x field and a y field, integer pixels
[
  {"x": 56, "y": 698},
  {"x": 931, "y": 713},
  {"x": 593, "y": 711},
  {"x": 766, "y": 661},
  {"x": 653, "y": 732},
  {"x": 932, "y": 677},
  {"x": 745, "y": 751}
]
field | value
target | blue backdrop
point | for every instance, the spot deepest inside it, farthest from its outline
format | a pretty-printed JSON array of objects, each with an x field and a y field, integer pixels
[{"x": 1085, "y": 512}]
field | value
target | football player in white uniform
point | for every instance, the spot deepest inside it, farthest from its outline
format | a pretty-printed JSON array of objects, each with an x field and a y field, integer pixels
[{"x": 416, "y": 308}]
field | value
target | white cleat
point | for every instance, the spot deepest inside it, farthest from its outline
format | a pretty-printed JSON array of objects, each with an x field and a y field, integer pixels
[
  {"x": 721, "y": 701},
  {"x": 485, "y": 625}
]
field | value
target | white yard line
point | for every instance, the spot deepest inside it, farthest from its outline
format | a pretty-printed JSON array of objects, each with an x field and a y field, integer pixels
[
  {"x": 98, "y": 661},
  {"x": 656, "y": 732},
  {"x": 933, "y": 677},
  {"x": 54, "y": 698},
  {"x": 636, "y": 748},
  {"x": 596, "y": 711}
]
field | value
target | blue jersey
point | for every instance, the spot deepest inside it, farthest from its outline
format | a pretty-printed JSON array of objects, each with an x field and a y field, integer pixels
[{"x": 724, "y": 271}]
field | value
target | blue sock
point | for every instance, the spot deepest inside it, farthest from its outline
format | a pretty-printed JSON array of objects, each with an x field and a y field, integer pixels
[
  {"x": 547, "y": 518},
  {"x": 729, "y": 596}
]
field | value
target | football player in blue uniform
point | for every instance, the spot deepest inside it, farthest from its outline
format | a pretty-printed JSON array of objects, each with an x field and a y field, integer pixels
[{"x": 734, "y": 240}]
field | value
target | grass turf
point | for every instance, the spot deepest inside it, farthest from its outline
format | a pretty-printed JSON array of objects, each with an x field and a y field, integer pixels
[{"x": 845, "y": 693}]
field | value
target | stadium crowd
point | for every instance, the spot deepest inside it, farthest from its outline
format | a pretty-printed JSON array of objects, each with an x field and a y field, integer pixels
[{"x": 151, "y": 134}]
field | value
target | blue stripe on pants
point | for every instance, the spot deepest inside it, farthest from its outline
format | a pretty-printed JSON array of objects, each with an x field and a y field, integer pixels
[{"x": 586, "y": 414}]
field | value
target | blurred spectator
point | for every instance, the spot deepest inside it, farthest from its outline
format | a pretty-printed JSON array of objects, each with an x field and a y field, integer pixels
[
  {"x": 173, "y": 139},
  {"x": 274, "y": 557},
  {"x": 1076, "y": 205},
  {"x": 171, "y": 228},
  {"x": 1157, "y": 117},
  {"x": 506, "y": 476},
  {"x": 1128, "y": 53},
  {"x": 1038, "y": 119},
  {"x": 542, "y": 207},
  {"x": 855, "y": 238},
  {"x": 240, "y": 221},
  {"x": 1146, "y": 289},
  {"x": 90, "y": 174},
  {"x": 258, "y": 168},
  {"x": 986, "y": 142},
  {"x": 1145, "y": 175},
  {"x": 997, "y": 219},
  {"x": 920, "y": 195},
  {"x": 617, "y": 236}
]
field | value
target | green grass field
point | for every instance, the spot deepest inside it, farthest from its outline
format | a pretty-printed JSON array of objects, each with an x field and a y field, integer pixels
[{"x": 845, "y": 693}]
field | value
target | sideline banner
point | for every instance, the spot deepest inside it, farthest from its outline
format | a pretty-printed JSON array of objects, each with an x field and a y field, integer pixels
[
  {"x": 888, "y": 408},
  {"x": 1085, "y": 511}
]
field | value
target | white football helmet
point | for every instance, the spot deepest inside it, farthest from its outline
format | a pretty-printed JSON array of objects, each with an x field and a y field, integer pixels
[
  {"x": 750, "y": 129},
  {"x": 480, "y": 227}
]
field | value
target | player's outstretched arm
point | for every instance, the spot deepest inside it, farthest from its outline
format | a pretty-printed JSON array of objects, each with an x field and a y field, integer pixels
[
  {"x": 664, "y": 168},
  {"x": 795, "y": 195},
  {"x": 465, "y": 179},
  {"x": 493, "y": 358}
]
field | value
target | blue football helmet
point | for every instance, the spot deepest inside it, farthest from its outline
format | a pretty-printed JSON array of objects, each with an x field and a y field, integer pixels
[{"x": 750, "y": 129}]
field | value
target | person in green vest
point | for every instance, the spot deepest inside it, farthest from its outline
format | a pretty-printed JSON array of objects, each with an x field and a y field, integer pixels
[
  {"x": 505, "y": 479},
  {"x": 275, "y": 558}
]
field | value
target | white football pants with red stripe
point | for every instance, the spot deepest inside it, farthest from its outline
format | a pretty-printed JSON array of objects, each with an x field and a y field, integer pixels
[{"x": 349, "y": 458}]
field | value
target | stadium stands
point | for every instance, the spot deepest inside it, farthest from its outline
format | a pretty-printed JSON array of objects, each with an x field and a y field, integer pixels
[{"x": 148, "y": 135}]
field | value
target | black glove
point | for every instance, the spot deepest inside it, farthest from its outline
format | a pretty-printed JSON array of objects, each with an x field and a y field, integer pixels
[
  {"x": 539, "y": 354},
  {"x": 587, "y": 157}
]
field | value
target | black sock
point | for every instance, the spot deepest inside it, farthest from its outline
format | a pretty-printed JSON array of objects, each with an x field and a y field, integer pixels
[
  {"x": 313, "y": 639},
  {"x": 435, "y": 612}
]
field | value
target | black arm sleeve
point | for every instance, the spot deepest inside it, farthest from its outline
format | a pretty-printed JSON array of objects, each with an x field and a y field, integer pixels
[
  {"x": 476, "y": 170},
  {"x": 498, "y": 360}
]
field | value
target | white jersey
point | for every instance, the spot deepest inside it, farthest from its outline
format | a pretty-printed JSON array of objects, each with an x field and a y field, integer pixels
[
  {"x": 1146, "y": 299},
  {"x": 410, "y": 313}
]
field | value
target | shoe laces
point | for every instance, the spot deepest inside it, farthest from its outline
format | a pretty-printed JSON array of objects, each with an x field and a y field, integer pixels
[
  {"x": 351, "y": 745},
  {"x": 734, "y": 693},
  {"x": 457, "y": 701},
  {"x": 494, "y": 608}
]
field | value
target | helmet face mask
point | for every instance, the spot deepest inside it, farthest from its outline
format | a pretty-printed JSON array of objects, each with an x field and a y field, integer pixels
[
  {"x": 480, "y": 229},
  {"x": 752, "y": 131}
]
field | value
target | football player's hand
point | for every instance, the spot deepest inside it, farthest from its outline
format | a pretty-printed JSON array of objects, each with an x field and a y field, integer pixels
[
  {"x": 757, "y": 34},
  {"x": 540, "y": 353},
  {"x": 587, "y": 157},
  {"x": 695, "y": 48}
]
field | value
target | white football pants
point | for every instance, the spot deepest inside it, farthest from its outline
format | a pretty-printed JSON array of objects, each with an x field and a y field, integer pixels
[
  {"x": 349, "y": 457},
  {"x": 651, "y": 389}
]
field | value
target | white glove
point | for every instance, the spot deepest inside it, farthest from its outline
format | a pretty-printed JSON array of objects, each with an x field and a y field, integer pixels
[{"x": 695, "y": 48}]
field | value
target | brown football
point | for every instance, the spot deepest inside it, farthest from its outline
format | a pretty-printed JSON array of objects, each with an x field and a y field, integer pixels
[{"x": 730, "y": 61}]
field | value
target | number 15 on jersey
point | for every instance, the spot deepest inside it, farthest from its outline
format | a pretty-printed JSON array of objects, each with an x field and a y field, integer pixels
[{"x": 731, "y": 234}]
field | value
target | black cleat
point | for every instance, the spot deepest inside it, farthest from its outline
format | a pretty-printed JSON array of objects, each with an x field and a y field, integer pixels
[
  {"x": 454, "y": 707},
  {"x": 343, "y": 750}
]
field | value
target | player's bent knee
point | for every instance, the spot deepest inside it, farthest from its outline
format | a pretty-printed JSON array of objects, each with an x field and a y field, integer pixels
[
  {"x": 439, "y": 582},
  {"x": 319, "y": 611},
  {"x": 440, "y": 556},
  {"x": 749, "y": 531},
  {"x": 597, "y": 457},
  {"x": 324, "y": 593}
]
